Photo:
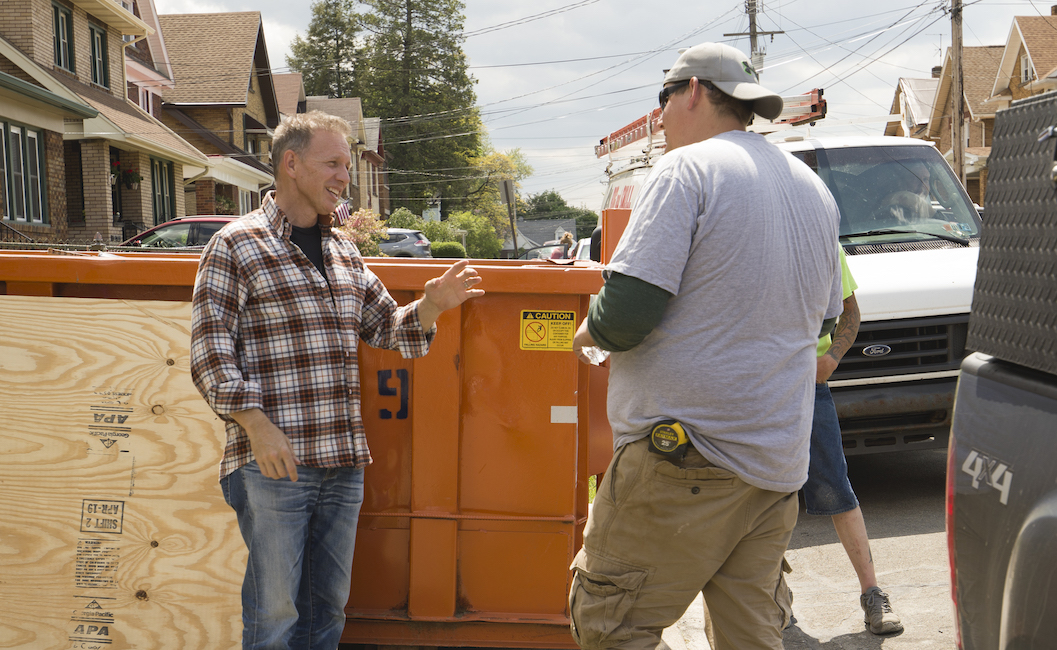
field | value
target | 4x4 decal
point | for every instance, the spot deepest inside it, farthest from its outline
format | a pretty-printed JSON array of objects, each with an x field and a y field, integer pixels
[{"x": 991, "y": 471}]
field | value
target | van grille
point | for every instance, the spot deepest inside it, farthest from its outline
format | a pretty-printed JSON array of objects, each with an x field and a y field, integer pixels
[{"x": 910, "y": 346}]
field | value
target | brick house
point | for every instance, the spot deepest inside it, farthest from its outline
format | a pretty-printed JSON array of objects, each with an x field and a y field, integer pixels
[
  {"x": 148, "y": 71},
  {"x": 993, "y": 76},
  {"x": 72, "y": 146},
  {"x": 979, "y": 67},
  {"x": 1028, "y": 64},
  {"x": 224, "y": 103},
  {"x": 374, "y": 179}
]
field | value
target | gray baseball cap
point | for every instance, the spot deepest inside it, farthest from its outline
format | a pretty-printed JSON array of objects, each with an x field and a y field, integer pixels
[{"x": 730, "y": 71}]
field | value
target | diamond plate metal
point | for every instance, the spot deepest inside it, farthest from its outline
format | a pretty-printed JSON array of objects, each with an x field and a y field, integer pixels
[{"x": 1014, "y": 314}]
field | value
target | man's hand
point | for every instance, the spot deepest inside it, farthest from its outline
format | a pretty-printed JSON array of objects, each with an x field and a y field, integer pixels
[
  {"x": 450, "y": 290},
  {"x": 271, "y": 448},
  {"x": 826, "y": 365},
  {"x": 582, "y": 339}
]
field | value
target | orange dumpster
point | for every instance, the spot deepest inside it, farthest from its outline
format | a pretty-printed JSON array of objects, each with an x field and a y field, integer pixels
[{"x": 474, "y": 507}]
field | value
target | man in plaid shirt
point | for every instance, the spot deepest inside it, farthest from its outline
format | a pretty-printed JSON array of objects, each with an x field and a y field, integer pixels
[{"x": 280, "y": 303}]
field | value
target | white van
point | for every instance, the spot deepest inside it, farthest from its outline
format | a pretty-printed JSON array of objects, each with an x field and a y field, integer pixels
[{"x": 912, "y": 236}]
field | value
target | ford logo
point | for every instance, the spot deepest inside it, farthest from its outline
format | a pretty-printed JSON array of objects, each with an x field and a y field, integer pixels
[{"x": 878, "y": 350}]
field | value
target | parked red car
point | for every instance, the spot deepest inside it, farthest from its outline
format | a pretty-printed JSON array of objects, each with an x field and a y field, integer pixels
[{"x": 185, "y": 232}]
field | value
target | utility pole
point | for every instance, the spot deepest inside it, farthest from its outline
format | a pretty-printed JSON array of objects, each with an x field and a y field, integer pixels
[
  {"x": 957, "y": 93},
  {"x": 509, "y": 196},
  {"x": 752, "y": 7}
]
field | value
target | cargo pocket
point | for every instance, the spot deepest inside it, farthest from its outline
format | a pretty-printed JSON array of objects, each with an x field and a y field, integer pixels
[
  {"x": 600, "y": 598},
  {"x": 783, "y": 596}
]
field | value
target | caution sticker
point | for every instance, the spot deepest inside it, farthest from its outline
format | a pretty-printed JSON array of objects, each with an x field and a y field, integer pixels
[{"x": 547, "y": 330}]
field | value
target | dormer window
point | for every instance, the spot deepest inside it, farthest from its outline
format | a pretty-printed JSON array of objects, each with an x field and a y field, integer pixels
[
  {"x": 1025, "y": 69},
  {"x": 128, "y": 38}
]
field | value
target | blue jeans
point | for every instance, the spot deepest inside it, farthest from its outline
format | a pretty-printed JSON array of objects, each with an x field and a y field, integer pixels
[
  {"x": 301, "y": 538},
  {"x": 828, "y": 490}
]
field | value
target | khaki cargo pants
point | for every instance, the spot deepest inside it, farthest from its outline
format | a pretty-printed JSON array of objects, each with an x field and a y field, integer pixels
[{"x": 659, "y": 533}]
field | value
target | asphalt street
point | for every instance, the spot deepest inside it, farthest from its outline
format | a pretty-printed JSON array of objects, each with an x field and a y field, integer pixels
[{"x": 902, "y": 498}]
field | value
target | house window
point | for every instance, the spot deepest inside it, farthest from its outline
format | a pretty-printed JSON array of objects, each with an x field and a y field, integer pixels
[
  {"x": 245, "y": 201},
  {"x": 370, "y": 185},
  {"x": 145, "y": 100},
  {"x": 1025, "y": 69},
  {"x": 100, "y": 72},
  {"x": 23, "y": 174},
  {"x": 161, "y": 176},
  {"x": 63, "y": 28},
  {"x": 128, "y": 38}
]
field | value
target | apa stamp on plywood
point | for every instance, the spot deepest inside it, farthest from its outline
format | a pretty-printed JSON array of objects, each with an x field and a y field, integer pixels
[
  {"x": 111, "y": 410},
  {"x": 97, "y": 563},
  {"x": 90, "y": 626}
]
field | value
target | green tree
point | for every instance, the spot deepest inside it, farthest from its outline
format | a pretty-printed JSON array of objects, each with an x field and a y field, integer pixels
[
  {"x": 545, "y": 205},
  {"x": 404, "y": 218},
  {"x": 482, "y": 241},
  {"x": 550, "y": 205},
  {"x": 490, "y": 169},
  {"x": 326, "y": 57},
  {"x": 415, "y": 78}
]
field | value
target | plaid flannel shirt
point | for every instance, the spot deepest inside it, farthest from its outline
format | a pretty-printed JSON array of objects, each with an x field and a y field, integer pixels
[{"x": 268, "y": 332}]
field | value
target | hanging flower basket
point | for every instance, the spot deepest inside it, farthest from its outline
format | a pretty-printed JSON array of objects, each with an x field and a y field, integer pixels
[{"x": 131, "y": 178}]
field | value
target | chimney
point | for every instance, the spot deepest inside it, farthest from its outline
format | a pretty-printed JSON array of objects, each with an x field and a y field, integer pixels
[
  {"x": 937, "y": 70},
  {"x": 1053, "y": 10}
]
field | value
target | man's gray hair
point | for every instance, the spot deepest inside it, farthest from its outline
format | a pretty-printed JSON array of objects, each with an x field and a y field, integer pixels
[{"x": 295, "y": 132}]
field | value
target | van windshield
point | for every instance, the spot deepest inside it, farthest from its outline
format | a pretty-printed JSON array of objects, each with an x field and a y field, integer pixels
[{"x": 906, "y": 192}]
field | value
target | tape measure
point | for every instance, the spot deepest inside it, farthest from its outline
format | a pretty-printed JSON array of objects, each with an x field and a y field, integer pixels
[{"x": 668, "y": 438}]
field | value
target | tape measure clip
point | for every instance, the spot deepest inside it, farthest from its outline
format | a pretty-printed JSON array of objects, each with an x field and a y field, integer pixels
[{"x": 668, "y": 438}]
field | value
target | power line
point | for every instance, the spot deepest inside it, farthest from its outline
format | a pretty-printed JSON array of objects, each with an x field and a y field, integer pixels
[{"x": 528, "y": 19}]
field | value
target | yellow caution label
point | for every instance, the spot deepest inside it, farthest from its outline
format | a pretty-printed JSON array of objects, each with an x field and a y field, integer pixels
[{"x": 547, "y": 330}]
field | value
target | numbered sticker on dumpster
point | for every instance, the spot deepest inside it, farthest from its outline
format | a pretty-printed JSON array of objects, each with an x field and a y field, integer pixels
[{"x": 547, "y": 330}]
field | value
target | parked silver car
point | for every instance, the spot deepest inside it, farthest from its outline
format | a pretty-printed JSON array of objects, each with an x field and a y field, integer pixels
[{"x": 404, "y": 242}]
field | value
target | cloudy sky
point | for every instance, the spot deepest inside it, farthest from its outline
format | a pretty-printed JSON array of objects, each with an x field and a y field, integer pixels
[{"x": 555, "y": 76}]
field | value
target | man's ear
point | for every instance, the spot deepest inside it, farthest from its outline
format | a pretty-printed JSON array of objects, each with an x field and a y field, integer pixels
[
  {"x": 290, "y": 163},
  {"x": 696, "y": 92}
]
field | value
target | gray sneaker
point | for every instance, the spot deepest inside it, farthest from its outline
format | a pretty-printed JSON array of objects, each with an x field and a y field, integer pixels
[{"x": 879, "y": 617}]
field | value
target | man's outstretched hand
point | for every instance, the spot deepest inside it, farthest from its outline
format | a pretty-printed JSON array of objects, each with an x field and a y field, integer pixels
[{"x": 455, "y": 287}]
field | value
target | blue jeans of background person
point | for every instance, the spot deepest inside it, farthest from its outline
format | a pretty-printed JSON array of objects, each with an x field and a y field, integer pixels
[
  {"x": 301, "y": 536},
  {"x": 828, "y": 490}
]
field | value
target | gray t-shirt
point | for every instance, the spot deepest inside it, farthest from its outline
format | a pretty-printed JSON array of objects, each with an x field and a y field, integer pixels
[{"x": 745, "y": 237}]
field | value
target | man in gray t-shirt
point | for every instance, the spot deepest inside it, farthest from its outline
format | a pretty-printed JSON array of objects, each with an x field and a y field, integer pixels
[{"x": 713, "y": 304}]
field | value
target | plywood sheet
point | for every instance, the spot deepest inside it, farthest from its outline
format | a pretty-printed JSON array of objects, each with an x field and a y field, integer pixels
[{"x": 113, "y": 528}]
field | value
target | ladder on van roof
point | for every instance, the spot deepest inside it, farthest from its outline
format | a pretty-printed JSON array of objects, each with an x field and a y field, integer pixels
[{"x": 798, "y": 109}]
